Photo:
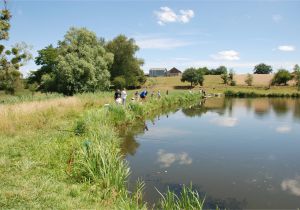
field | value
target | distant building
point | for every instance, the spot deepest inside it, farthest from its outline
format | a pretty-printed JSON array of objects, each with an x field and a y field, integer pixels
[
  {"x": 174, "y": 72},
  {"x": 158, "y": 72}
]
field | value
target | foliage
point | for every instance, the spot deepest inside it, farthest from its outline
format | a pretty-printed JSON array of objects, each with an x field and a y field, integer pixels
[
  {"x": 253, "y": 94},
  {"x": 82, "y": 63},
  {"x": 225, "y": 78},
  {"x": 47, "y": 59},
  {"x": 11, "y": 59},
  {"x": 125, "y": 63},
  {"x": 281, "y": 77},
  {"x": 249, "y": 80},
  {"x": 194, "y": 76},
  {"x": 220, "y": 70},
  {"x": 79, "y": 64},
  {"x": 119, "y": 82},
  {"x": 188, "y": 199},
  {"x": 231, "y": 78},
  {"x": 262, "y": 69},
  {"x": 297, "y": 75}
]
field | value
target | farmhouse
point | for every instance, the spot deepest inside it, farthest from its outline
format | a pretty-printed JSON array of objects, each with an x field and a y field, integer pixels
[
  {"x": 174, "y": 72},
  {"x": 158, "y": 72}
]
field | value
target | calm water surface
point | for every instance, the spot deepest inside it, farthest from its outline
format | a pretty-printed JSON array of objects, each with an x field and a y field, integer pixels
[{"x": 238, "y": 153}]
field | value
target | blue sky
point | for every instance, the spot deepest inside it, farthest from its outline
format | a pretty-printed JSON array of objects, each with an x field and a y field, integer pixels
[{"x": 238, "y": 34}]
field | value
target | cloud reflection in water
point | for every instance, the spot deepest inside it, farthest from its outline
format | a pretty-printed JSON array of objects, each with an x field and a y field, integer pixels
[
  {"x": 283, "y": 129},
  {"x": 225, "y": 121},
  {"x": 167, "y": 159},
  {"x": 291, "y": 185}
]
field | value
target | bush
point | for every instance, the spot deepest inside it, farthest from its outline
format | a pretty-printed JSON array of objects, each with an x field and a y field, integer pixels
[
  {"x": 281, "y": 77},
  {"x": 224, "y": 77},
  {"x": 119, "y": 82},
  {"x": 232, "y": 83},
  {"x": 249, "y": 80}
]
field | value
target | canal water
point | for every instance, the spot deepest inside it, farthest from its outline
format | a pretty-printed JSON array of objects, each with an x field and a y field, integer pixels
[{"x": 237, "y": 153}]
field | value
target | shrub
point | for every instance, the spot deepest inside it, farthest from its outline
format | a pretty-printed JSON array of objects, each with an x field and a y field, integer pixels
[
  {"x": 224, "y": 77},
  {"x": 249, "y": 80},
  {"x": 119, "y": 82},
  {"x": 281, "y": 77},
  {"x": 232, "y": 83}
]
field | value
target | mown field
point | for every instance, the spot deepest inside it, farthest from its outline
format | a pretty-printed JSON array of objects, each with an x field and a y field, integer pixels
[{"x": 214, "y": 84}]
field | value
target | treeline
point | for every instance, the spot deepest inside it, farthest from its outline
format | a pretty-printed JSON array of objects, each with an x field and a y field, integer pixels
[
  {"x": 82, "y": 62},
  {"x": 196, "y": 75}
]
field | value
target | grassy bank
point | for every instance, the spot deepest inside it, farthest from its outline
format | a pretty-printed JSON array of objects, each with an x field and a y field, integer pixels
[
  {"x": 65, "y": 153},
  {"x": 253, "y": 94}
]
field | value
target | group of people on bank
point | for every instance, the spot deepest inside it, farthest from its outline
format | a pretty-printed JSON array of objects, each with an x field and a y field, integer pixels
[{"x": 121, "y": 96}]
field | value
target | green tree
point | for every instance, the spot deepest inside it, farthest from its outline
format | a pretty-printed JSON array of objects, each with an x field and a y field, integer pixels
[
  {"x": 125, "y": 63},
  {"x": 119, "y": 82},
  {"x": 194, "y": 76},
  {"x": 11, "y": 59},
  {"x": 297, "y": 75},
  {"x": 231, "y": 78},
  {"x": 281, "y": 77},
  {"x": 82, "y": 63},
  {"x": 205, "y": 70},
  {"x": 262, "y": 69},
  {"x": 249, "y": 79},
  {"x": 47, "y": 59},
  {"x": 219, "y": 71}
]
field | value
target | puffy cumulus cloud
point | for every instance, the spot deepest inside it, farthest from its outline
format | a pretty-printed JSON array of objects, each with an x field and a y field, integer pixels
[
  {"x": 291, "y": 185},
  {"x": 227, "y": 55},
  {"x": 286, "y": 48},
  {"x": 283, "y": 129},
  {"x": 167, "y": 15},
  {"x": 167, "y": 159},
  {"x": 225, "y": 121}
]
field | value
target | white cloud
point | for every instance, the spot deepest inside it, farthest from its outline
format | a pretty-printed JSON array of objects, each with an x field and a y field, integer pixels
[
  {"x": 277, "y": 18},
  {"x": 160, "y": 43},
  {"x": 167, "y": 15},
  {"x": 167, "y": 159},
  {"x": 291, "y": 185},
  {"x": 286, "y": 48},
  {"x": 228, "y": 55},
  {"x": 225, "y": 121},
  {"x": 283, "y": 129}
]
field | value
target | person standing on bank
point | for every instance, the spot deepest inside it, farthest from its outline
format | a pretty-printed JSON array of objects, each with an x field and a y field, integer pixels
[
  {"x": 118, "y": 96},
  {"x": 123, "y": 96}
]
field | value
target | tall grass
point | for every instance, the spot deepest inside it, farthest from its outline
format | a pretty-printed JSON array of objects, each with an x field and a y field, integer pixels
[
  {"x": 252, "y": 94},
  {"x": 188, "y": 199}
]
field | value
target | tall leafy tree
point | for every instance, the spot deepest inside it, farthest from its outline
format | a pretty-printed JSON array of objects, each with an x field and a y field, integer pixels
[
  {"x": 194, "y": 76},
  {"x": 80, "y": 63},
  {"x": 262, "y": 69},
  {"x": 47, "y": 59},
  {"x": 282, "y": 76},
  {"x": 10, "y": 59},
  {"x": 126, "y": 64},
  {"x": 297, "y": 75}
]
